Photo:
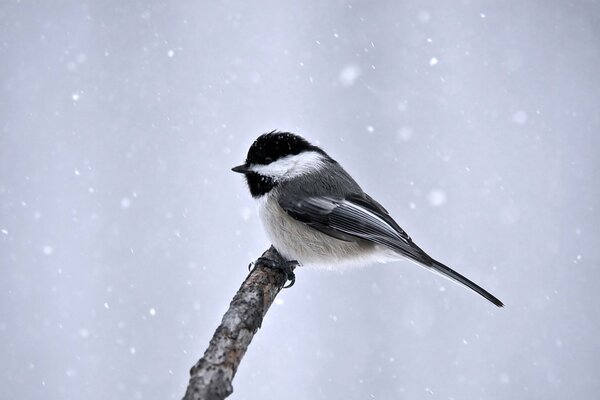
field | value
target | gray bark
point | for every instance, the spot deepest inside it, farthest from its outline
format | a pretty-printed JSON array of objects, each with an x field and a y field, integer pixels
[{"x": 211, "y": 377}]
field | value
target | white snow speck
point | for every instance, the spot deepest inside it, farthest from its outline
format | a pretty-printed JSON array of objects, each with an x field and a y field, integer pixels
[
  {"x": 437, "y": 197},
  {"x": 132, "y": 350},
  {"x": 106, "y": 306},
  {"x": 504, "y": 378},
  {"x": 84, "y": 333},
  {"x": 424, "y": 16},
  {"x": 482, "y": 15},
  {"x": 520, "y": 117},
  {"x": 47, "y": 250},
  {"x": 152, "y": 312},
  {"x": 170, "y": 53},
  {"x": 76, "y": 172},
  {"x": 412, "y": 205},
  {"x": 4, "y": 231},
  {"x": 404, "y": 134},
  {"x": 70, "y": 372},
  {"x": 370, "y": 129},
  {"x": 433, "y": 61},
  {"x": 75, "y": 96},
  {"x": 509, "y": 215},
  {"x": 125, "y": 202},
  {"x": 254, "y": 77},
  {"x": 246, "y": 213},
  {"x": 91, "y": 189},
  {"x": 349, "y": 74}
]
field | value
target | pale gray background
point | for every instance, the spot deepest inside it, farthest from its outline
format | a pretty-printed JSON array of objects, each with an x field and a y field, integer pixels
[{"x": 124, "y": 234}]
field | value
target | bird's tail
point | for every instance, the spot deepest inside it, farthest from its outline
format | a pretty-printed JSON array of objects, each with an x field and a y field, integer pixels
[{"x": 455, "y": 276}]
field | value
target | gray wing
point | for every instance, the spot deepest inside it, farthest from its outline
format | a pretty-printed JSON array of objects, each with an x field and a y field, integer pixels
[
  {"x": 353, "y": 217},
  {"x": 358, "y": 216}
]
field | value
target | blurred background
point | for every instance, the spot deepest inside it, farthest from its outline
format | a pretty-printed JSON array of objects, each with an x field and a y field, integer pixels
[{"x": 124, "y": 234}]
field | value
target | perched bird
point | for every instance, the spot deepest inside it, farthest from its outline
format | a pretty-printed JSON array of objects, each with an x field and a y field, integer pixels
[{"x": 315, "y": 213}]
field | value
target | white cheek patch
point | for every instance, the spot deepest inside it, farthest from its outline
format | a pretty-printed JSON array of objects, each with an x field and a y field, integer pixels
[{"x": 291, "y": 166}]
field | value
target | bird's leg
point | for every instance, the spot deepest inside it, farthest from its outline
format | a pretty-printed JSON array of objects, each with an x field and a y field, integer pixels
[{"x": 287, "y": 267}]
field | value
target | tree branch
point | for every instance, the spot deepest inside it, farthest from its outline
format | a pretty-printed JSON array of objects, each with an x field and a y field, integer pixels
[{"x": 210, "y": 378}]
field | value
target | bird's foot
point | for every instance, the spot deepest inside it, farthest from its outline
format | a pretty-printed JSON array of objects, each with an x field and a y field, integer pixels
[{"x": 287, "y": 267}]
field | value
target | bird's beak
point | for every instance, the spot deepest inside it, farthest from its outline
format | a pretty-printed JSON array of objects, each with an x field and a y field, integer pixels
[{"x": 241, "y": 169}]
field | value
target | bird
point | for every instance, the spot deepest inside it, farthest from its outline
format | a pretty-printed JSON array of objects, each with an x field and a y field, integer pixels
[{"x": 315, "y": 213}]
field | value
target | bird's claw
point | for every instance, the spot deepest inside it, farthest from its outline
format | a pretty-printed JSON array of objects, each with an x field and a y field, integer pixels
[
  {"x": 290, "y": 276},
  {"x": 287, "y": 267}
]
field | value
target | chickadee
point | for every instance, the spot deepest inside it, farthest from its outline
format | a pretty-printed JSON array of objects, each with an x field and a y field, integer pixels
[{"x": 315, "y": 213}]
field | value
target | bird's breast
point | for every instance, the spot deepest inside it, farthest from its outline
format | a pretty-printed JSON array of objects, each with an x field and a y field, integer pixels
[{"x": 298, "y": 241}]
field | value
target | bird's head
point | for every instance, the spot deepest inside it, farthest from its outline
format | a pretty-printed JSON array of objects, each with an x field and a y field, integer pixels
[{"x": 275, "y": 157}]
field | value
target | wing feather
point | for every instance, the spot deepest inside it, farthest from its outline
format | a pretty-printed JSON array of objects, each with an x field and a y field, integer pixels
[
  {"x": 352, "y": 218},
  {"x": 359, "y": 217}
]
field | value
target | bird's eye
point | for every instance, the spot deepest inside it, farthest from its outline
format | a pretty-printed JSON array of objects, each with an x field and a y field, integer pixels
[{"x": 268, "y": 160}]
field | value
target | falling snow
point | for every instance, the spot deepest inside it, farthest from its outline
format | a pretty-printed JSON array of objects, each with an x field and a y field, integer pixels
[
  {"x": 124, "y": 234},
  {"x": 520, "y": 117},
  {"x": 436, "y": 197},
  {"x": 404, "y": 134},
  {"x": 125, "y": 202},
  {"x": 84, "y": 333},
  {"x": 349, "y": 75}
]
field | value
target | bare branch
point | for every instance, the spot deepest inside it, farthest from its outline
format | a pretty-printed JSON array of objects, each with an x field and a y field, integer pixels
[{"x": 210, "y": 378}]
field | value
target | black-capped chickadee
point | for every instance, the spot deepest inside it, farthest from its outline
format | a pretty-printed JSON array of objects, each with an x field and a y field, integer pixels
[{"x": 315, "y": 213}]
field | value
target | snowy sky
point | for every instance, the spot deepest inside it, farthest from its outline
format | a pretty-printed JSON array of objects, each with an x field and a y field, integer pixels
[{"x": 124, "y": 234}]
